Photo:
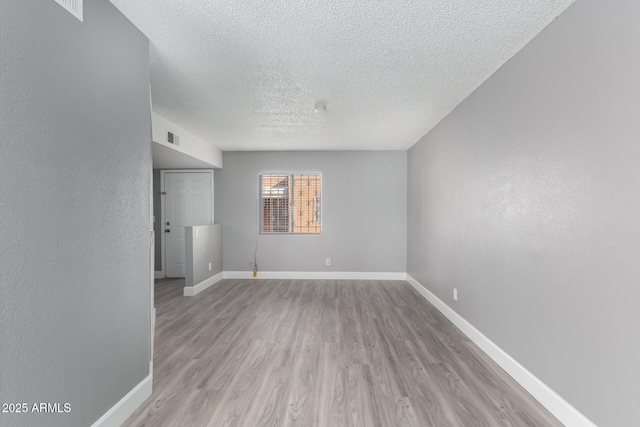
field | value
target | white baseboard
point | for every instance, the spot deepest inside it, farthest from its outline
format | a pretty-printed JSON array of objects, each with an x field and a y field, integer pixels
[
  {"x": 317, "y": 275},
  {"x": 190, "y": 291},
  {"x": 560, "y": 408},
  {"x": 158, "y": 274},
  {"x": 115, "y": 416}
]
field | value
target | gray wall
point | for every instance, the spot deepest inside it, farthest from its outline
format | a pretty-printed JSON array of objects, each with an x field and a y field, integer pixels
[
  {"x": 363, "y": 212},
  {"x": 526, "y": 198},
  {"x": 202, "y": 248},
  {"x": 74, "y": 202}
]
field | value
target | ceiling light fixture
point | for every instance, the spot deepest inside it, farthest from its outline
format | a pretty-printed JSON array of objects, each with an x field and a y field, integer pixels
[{"x": 320, "y": 108}]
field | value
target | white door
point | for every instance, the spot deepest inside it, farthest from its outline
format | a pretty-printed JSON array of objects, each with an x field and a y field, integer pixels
[{"x": 187, "y": 201}]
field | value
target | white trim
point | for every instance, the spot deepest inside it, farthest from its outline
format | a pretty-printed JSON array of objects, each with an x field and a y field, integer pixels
[
  {"x": 158, "y": 274},
  {"x": 122, "y": 410},
  {"x": 190, "y": 291},
  {"x": 315, "y": 275},
  {"x": 560, "y": 408}
]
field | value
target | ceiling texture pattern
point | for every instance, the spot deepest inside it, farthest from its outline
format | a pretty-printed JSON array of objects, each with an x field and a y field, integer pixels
[{"x": 247, "y": 74}]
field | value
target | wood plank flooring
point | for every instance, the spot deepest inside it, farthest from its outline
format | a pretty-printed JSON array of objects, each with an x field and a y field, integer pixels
[{"x": 321, "y": 353}]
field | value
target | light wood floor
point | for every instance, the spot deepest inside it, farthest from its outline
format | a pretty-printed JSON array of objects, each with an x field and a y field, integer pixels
[{"x": 321, "y": 353}]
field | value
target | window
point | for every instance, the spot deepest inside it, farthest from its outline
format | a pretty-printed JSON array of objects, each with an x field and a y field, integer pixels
[{"x": 290, "y": 203}]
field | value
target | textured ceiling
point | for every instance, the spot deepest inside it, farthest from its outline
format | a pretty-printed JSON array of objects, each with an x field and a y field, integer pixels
[{"x": 246, "y": 74}]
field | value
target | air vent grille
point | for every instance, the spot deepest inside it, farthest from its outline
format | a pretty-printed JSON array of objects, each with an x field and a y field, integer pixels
[{"x": 73, "y": 6}]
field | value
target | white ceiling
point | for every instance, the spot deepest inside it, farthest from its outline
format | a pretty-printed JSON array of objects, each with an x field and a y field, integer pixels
[{"x": 246, "y": 74}]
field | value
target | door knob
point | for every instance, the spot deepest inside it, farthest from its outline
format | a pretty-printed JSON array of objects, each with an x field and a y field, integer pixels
[{"x": 167, "y": 230}]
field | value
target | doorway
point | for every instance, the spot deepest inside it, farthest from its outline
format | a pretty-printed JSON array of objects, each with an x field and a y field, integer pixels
[{"x": 187, "y": 199}]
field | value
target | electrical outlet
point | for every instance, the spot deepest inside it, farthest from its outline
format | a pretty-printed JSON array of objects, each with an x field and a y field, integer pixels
[
  {"x": 250, "y": 264},
  {"x": 328, "y": 261},
  {"x": 209, "y": 266},
  {"x": 455, "y": 294}
]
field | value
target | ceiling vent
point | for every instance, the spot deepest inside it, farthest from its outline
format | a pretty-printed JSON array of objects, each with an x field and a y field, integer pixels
[
  {"x": 73, "y": 6},
  {"x": 172, "y": 138}
]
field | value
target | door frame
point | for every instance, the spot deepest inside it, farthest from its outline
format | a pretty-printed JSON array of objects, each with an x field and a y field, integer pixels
[{"x": 163, "y": 173}]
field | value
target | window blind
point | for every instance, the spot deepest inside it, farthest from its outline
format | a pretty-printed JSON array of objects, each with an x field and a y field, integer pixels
[{"x": 290, "y": 203}]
